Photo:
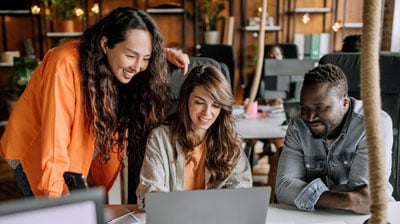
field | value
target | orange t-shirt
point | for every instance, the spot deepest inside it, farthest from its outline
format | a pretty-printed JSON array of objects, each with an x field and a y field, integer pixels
[
  {"x": 48, "y": 130},
  {"x": 194, "y": 171}
]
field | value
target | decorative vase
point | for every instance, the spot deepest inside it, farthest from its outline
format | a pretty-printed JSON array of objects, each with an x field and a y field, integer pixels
[
  {"x": 64, "y": 26},
  {"x": 212, "y": 37}
]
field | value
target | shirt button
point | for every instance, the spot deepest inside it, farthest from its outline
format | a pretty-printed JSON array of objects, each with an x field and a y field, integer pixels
[
  {"x": 308, "y": 165},
  {"x": 345, "y": 162}
]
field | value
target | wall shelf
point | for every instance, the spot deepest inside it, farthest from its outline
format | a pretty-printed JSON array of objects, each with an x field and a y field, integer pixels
[
  {"x": 6, "y": 64},
  {"x": 313, "y": 10},
  {"x": 15, "y": 12},
  {"x": 165, "y": 10},
  {"x": 266, "y": 28},
  {"x": 353, "y": 25},
  {"x": 177, "y": 8},
  {"x": 63, "y": 34}
]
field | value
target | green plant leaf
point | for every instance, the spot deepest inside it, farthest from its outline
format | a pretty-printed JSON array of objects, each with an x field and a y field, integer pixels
[{"x": 23, "y": 70}]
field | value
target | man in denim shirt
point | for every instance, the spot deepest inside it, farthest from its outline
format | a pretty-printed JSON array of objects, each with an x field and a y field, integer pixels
[{"x": 324, "y": 161}]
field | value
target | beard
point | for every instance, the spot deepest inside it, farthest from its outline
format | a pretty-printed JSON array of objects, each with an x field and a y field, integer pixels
[{"x": 321, "y": 134}]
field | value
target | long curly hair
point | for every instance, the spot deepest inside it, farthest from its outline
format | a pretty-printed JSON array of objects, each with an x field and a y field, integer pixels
[
  {"x": 222, "y": 142},
  {"x": 123, "y": 114}
]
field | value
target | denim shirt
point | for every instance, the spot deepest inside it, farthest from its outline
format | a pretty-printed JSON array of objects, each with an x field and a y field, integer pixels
[{"x": 308, "y": 166}]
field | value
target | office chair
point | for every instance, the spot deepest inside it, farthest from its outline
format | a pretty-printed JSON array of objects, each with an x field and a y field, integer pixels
[{"x": 221, "y": 53}]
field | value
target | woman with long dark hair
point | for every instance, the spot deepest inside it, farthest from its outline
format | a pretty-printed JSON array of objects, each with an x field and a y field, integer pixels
[
  {"x": 81, "y": 107},
  {"x": 199, "y": 148}
]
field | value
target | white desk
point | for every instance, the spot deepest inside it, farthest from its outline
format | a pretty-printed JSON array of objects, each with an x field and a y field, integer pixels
[
  {"x": 253, "y": 128},
  {"x": 282, "y": 214},
  {"x": 259, "y": 127}
]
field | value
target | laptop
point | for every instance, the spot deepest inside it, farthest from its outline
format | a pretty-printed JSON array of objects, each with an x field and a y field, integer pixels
[
  {"x": 219, "y": 206},
  {"x": 83, "y": 206}
]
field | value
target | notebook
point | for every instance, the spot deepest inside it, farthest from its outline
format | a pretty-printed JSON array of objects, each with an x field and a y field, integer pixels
[
  {"x": 83, "y": 206},
  {"x": 219, "y": 206}
]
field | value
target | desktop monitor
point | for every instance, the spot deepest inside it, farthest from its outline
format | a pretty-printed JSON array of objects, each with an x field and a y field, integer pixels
[{"x": 82, "y": 206}]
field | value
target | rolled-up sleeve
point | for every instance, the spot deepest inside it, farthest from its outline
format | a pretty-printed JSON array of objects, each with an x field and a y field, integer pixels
[{"x": 309, "y": 196}]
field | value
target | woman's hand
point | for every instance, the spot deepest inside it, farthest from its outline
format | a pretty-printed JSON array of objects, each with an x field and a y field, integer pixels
[{"x": 178, "y": 58}]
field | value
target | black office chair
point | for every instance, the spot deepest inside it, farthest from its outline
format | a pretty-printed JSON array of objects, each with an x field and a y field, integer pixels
[
  {"x": 390, "y": 95},
  {"x": 221, "y": 53},
  {"x": 177, "y": 78}
]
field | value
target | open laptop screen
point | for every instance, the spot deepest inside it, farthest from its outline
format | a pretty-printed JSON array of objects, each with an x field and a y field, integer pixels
[
  {"x": 80, "y": 207},
  {"x": 219, "y": 206}
]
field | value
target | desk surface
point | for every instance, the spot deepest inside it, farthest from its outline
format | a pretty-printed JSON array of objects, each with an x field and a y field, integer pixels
[
  {"x": 261, "y": 127},
  {"x": 281, "y": 214}
]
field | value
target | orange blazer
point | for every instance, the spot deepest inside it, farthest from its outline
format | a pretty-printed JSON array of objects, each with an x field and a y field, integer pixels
[{"x": 48, "y": 130}]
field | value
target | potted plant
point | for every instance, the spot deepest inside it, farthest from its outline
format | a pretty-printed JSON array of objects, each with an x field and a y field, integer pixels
[
  {"x": 211, "y": 14},
  {"x": 63, "y": 11},
  {"x": 22, "y": 72}
]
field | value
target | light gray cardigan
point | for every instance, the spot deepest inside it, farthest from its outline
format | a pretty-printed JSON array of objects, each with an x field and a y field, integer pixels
[{"x": 161, "y": 173}]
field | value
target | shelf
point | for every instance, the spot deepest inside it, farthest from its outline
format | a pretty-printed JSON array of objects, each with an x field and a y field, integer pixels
[
  {"x": 352, "y": 25},
  {"x": 6, "y": 64},
  {"x": 15, "y": 12},
  {"x": 266, "y": 28},
  {"x": 313, "y": 10},
  {"x": 165, "y": 11},
  {"x": 63, "y": 34}
]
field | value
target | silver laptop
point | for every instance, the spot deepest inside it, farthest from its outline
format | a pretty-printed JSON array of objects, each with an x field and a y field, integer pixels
[
  {"x": 82, "y": 206},
  {"x": 219, "y": 206}
]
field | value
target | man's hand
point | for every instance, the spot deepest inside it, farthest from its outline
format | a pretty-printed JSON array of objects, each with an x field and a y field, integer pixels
[
  {"x": 181, "y": 60},
  {"x": 357, "y": 201},
  {"x": 360, "y": 200}
]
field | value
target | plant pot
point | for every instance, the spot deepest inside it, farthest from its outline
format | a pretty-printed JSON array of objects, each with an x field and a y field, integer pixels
[
  {"x": 64, "y": 25},
  {"x": 212, "y": 37}
]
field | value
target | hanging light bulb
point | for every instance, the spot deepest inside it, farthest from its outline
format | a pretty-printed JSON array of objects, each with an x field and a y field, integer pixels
[
  {"x": 35, "y": 9},
  {"x": 95, "y": 8},
  {"x": 79, "y": 12},
  {"x": 337, "y": 26},
  {"x": 306, "y": 18}
]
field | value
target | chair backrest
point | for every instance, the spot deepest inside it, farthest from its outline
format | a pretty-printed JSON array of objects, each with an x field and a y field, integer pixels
[
  {"x": 221, "y": 53},
  {"x": 390, "y": 95},
  {"x": 177, "y": 78}
]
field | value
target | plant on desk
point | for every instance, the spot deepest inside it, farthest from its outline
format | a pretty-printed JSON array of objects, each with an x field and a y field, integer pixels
[{"x": 23, "y": 69}]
